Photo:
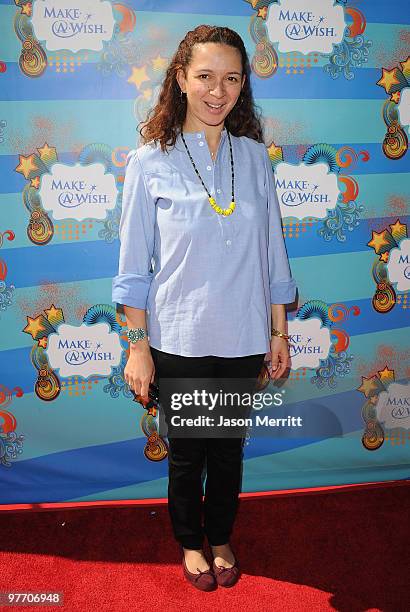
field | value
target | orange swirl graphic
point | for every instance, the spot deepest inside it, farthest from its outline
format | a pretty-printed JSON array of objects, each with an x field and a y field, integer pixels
[
  {"x": 9, "y": 421},
  {"x": 352, "y": 188},
  {"x": 359, "y": 22}
]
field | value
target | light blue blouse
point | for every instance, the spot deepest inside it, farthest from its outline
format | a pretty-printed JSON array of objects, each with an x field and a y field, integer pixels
[{"x": 206, "y": 281}]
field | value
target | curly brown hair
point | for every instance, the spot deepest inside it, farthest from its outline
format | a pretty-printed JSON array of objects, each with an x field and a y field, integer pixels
[{"x": 165, "y": 120}]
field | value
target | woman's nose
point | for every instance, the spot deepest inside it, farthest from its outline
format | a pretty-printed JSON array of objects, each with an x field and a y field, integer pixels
[{"x": 218, "y": 90}]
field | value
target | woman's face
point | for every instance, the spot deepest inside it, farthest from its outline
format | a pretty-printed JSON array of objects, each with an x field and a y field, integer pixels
[{"x": 213, "y": 84}]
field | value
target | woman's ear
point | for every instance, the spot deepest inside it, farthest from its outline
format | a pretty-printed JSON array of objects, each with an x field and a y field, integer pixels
[{"x": 180, "y": 77}]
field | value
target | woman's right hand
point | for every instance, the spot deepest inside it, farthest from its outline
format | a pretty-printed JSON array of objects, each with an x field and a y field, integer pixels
[{"x": 140, "y": 371}]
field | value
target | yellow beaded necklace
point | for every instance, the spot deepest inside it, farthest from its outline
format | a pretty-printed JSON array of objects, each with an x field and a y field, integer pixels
[{"x": 221, "y": 211}]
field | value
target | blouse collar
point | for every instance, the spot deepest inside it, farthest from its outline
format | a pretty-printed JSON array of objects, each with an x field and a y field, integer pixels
[{"x": 201, "y": 135}]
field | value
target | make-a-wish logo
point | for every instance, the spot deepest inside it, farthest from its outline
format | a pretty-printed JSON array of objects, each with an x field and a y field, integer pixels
[
  {"x": 84, "y": 351},
  {"x": 73, "y": 25},
  {"x": 78, "y": 192},
  {"x": 303, "y": 26},
  {"x": 306, "y": 190},
  {"x": 393, "y": 406},
  {"x": 309, "y": 342},
  {"x": 398, "y": 265}
]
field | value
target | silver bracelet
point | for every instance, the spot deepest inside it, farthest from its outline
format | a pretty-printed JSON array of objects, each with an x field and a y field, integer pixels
[{"x": 136, "y": 334}]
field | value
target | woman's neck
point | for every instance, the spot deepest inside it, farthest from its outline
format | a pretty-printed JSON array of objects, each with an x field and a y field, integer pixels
[{"x": 212, "y": 133}]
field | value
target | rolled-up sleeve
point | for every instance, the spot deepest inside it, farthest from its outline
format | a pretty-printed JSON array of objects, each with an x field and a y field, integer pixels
[
  {"x": 282, "y": 285},
  {"x": 136, "y": 233}
]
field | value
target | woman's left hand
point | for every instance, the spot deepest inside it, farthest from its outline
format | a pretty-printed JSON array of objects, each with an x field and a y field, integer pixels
[{"x": 280, "y": 359}]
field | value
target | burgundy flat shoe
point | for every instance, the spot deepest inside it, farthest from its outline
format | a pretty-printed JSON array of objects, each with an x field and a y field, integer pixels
[
  {"x": 205, "y": 580},
  {"x": 226, "y": 576}
]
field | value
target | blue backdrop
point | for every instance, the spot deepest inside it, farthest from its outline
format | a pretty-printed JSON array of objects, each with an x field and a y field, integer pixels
[{"x": 333, "y": 83}]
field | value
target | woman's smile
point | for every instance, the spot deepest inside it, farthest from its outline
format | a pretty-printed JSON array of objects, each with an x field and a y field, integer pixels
[{"x": 215, "y": 109}]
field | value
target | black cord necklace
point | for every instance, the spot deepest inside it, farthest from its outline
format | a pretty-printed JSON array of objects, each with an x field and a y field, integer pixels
[{"x": 221, "y": 211}]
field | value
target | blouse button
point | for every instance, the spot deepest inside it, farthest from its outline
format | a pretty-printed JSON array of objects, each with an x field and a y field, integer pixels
[
  {"x": 218, "y": 191},
  {"x": 199, "y": 135},
  {"x": 228, "y": 242},
  {"x": 209, "y": 167},
  {"x": 201, "y": 144}
]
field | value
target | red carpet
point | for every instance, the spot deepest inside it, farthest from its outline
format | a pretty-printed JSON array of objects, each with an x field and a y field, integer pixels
[{"x": 345, "y": 551}]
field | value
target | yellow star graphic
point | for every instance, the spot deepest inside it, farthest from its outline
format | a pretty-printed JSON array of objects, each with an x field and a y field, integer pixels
[
  {"x": 262, "y": 12},
  {"x": 26, "y": 9},
  {"x": 398, "y": 227},
  {"x": 35, "y": 182},
  {"x": 253, "y": 3},
  {"x": 54, "y": 313},
  {"x": 378, "y": 241},
  {"x": 388, "y": 79},
  {"x": 158, "y": 63},
  {"x": 368, "y": 385},
  {"x": 384, "y": 257},
  {"x": 395, "y": 97},
  {"x": 386, "y": 375},
  {"x": 139, "y": 75},
  {"x": 47, "y": 152},
  {"x": 43, "y": 342},
  {"x": 406, "y": 65},
  {"x": 275, "y": 151},
  {"x": 34, "y": 326},
  {"x": 26, "y": 165}
]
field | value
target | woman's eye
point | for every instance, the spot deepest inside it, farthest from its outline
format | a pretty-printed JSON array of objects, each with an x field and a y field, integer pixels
[{"x": 231, "y": 78}]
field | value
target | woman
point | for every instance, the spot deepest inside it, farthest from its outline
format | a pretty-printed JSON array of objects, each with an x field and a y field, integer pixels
[{"x": 199, "y": 204}]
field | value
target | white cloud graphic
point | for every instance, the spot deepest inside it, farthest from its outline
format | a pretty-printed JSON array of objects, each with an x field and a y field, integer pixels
[
  {"x": 306, "y": 190},
  {"x": 303, "y": 26},
  {"x": 398, "y": 266},
  {"x": 309, "y": 342},
  {"x": 393, "y": 406},
  {"x": 73, "y": 24},
  {"x": 403, "y": 107},
  {"x": 84, "y": 351},
  {"x": 78, "y": 192}
]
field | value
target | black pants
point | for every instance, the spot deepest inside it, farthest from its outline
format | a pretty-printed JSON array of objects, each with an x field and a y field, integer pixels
[{"x": 188, "y": 457}]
